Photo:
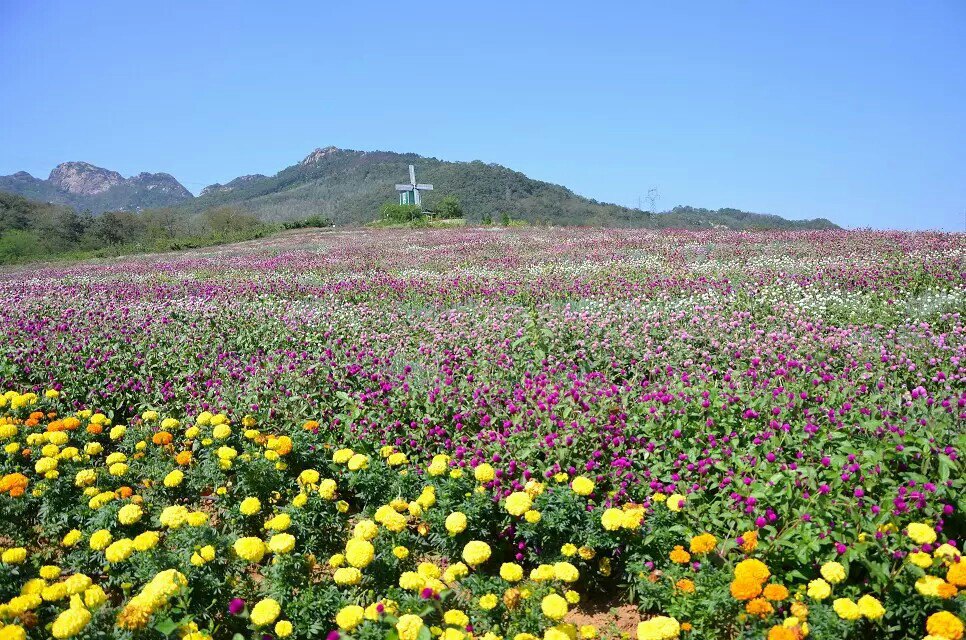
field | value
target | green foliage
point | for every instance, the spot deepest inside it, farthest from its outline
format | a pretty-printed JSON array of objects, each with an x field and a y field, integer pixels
[
  {"x": 449, "y": 207},
  {"x": 505, "y": 219},
  {"x": 400, "y": 213},
  {"x": 312, "y": 222},
  {"x": 486, "y": 219},
  {"x": 38, "y": 231}
]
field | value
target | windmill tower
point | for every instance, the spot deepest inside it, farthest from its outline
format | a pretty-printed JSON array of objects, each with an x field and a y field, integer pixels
[{"x": 409, "y": 193}]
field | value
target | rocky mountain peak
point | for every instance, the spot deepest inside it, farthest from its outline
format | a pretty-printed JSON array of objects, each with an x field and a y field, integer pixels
[
  {"x": 83, "y": 178},
  {"x": 318, "y": 155}
]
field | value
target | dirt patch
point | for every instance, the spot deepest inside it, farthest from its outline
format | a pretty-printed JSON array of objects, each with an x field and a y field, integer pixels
[{"x": 611, "y": 620}]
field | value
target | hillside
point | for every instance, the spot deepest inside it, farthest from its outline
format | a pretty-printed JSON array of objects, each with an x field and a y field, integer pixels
[
  {"x": 89, "y": 188},
  {"x": 348, "y": 187}
]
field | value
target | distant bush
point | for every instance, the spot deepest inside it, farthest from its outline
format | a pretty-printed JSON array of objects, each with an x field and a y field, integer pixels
[
  {"x": 317, "y": 221},
  {"x": 401, "y": 213},
  {"x": 448, "y": 208}
]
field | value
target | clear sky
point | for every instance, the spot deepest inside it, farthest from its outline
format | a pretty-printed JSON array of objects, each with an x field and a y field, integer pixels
[{"x": 855, "y": 111}]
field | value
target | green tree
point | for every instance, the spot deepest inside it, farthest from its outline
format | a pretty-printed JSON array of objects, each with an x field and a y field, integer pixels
[
  {"x": 505, "y": 219},
  {"x": 400, "y": 213},
  {"x": 449, "y": 207}
]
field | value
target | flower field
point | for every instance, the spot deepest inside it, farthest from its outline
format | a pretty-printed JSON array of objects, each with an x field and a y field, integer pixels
[{"x": 489, "y": 434}]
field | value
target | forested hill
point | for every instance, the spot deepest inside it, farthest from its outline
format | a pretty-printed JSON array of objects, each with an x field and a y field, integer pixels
[{"x": 348, "y": 187}]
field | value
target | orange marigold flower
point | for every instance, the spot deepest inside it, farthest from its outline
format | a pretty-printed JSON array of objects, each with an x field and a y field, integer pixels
[
  {"x": 183, "y": 458},
  {"x": 311, "y": 425},
  {"x": 686, "y": 626},
  {"x": 124, "y": 492},
  {"x": 759, "y": 607},
  {"x": 749, "y": 541},
  {"x": 284, "y": 446},
  {"x": 37, "y": 415},
  {"x": 704, "y": 543},
  {"x": 95, "y": 429},
  {"x": 31, "y": 422},
  {"x": 957, "y": 573},
  {"x": 685, "y": 585},
  {"x": 946, "y": 590},
  {"x": 679, "y": 555},
  {"x": 775, "y": 592},
  {"x": 14, "y": 484},
  {"x": 56, "y": 425},
  {"x": 779, "y": 632},
  {"x": 162, "y": 438},
  {"x": 71, "y": 423},
  {"x": 745, "y": 588}
]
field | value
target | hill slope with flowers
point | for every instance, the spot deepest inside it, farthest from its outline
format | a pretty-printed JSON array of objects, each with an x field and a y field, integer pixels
[{"x": 489, "y": 434}]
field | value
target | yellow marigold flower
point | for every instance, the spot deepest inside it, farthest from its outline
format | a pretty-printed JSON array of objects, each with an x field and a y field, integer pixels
[
  {"x": 456, "y": 523},
  {"x": 357, "y": 462},
  {"x": 409, "y": 626},
  {"x": 532, "y": 516},
  {"x": 542, "y": 573},
  {"x": 870, "y": 607},
  {"x": 342, "y": 506},
  {"x": 396, "y": 459},
  {"x": 488, "y": 601},
  {"x": 280, "y": 522},
  {"x": 511, "y": 572},
  {"x": 265, "y": 612},
  {"x": 611, "y": 519},
  {"x": 929, "y": 585},
  {"x": 921, "y": 533},
  {"x": 251, "y": 549},
  {"x": 174, "y": 479},
  {"x": 400, "y": 552},
  {"x": 173, "y": 516},
  {"x": 554, "y": 606},
  {"x": 250, "y": 506},
  {"x": 283, "y": 628},
  {"x": 833, "y": 572},
  {"x": 582, "y": 486},
  {"x": 77, "y": 583},
  {"x": 920, "y": 559},
  {"x": 100, "y": 539},
  {"x": 281, "y": 543},
  {"x": 456, "y": 618},
  {"x": 565, "y": 572},
  {"x": 129, "y": 514},
  {"x": 365, "y": 530},
  {"x": 347, "y": 576},
  {"x": 752, "y": 569},
  {"x": 484, "y": 473},
  {"x": 702, "y": 544},
  {"x": 49, "y": 572},
  {"x": 586, "y": 553},
  {"x": 359, "y": 552},
  {"x": 411, "y": 581},
  {"x": 569, "y": 550},
  {"x": 119, "y": 551},
  {"x": 819, "y": 589},
  {"x": 70, "y": 622},
  {"x": 327, "y": 489},
  {"x": 476, "y": 552},
  {"x": 846, "y": 609},
  {"x": 571, "y": 596},
  {"x": 658, "y": 628},
  {"x": 518, "y": 503},
  {"x": 15, "y": 555},
  {"x": 588, "y": 632},
  {"x": 94, "y": 596},
  {"x": 350, "y": 617},
  {"x": 675, "y": 502}
]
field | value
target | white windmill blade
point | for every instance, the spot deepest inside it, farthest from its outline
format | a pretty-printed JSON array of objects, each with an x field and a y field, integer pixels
[
  {"x": 412, "y": 174},
  {"x": 404, "y": 187},
  {"x": 424, "y": 187}
]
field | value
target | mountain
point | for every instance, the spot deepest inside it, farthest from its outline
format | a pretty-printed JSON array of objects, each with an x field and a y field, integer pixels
[
  {"x": 85, "y": 186},
  {"x": 349, "y": 187}
]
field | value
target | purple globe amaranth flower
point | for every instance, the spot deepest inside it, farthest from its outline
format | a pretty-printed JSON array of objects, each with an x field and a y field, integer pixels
[{"x": 236, "y": 606}]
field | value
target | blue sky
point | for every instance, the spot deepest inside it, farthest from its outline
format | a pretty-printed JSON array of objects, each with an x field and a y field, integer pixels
[{"x": 855, "y": 111}]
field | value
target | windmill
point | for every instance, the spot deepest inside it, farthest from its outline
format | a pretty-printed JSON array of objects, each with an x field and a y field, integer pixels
[{"x": 409, "y": 193}]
